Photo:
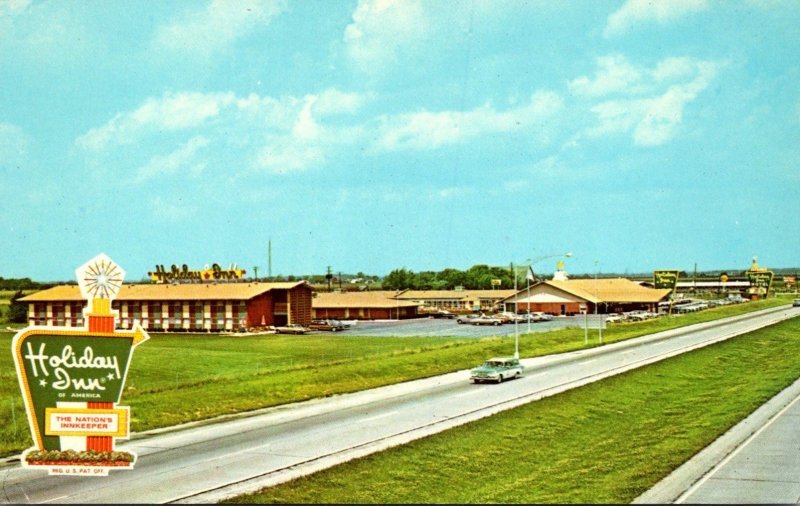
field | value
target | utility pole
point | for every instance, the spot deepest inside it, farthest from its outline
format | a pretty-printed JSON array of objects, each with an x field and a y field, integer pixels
[
  {"x": 255, "y": 270},
  {"x": 329, "y": 276},
  {"x": 269, "y": 259}
]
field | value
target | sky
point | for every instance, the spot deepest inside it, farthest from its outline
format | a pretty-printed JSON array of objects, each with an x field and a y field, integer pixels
[{"x": 370, "y": 135}]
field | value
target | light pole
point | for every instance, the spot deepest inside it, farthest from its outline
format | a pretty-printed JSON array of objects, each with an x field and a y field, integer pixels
[{"x": 596, "y": 298}]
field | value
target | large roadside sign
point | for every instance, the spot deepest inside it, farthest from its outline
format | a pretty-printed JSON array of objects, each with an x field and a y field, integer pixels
[
  {"x": 665, "y": 279},
  {"x": 72, "y": 379},
  {"x": 760, "y": 282}
]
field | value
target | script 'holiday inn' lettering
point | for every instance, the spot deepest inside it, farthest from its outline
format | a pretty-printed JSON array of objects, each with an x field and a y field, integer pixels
[
  {"x": 184, "y": 274},
  {"x": 68, "y": 360}
]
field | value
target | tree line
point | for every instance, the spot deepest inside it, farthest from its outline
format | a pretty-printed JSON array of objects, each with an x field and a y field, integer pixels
[{"x": 477, "y": 277}]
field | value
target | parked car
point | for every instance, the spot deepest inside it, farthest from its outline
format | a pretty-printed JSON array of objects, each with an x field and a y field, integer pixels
[
  {"x": 331, "y": 325},
  {"x": 441, "y": 313},
  {"x": 504, "y": 317},
  {"x": 497, "y": 370},
  {"x": 479, "y": 320},
  {"x": 613, "y": 318},
  {"x": 796, "y": 303},
  {"x": 486, "y": 320},
  {"x": 514, "y": 317},
  {"x": 292, "y": 328},
  {"x": 538, "y": 316},
  {"x": 637, "y": 315}
]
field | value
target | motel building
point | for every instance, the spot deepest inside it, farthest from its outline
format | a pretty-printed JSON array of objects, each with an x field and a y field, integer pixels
[
  {"x": 374, "y": 305},
  {"x": 182, "y": 307},
  {"x": 457, "y": 300},
  {"x": 567, "y": 297}
]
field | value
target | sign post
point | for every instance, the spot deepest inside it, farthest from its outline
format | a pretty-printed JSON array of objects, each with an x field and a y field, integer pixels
[{"x": 72, "y": 379}]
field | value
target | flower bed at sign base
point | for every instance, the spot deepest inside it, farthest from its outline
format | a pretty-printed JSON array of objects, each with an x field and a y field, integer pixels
[{"x": 76, "y": 458}]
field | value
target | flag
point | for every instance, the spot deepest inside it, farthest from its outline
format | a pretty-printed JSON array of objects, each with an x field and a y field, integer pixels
[{"x": 530, "y": 274}]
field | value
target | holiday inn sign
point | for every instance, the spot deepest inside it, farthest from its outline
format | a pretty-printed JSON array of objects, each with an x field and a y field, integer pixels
[{"x": 72, "y": 379}]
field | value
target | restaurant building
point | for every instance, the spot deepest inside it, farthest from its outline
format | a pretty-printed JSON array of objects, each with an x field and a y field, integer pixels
[
  {"x": 187, "y": 307},
  {"x": 568, "y": 297}
]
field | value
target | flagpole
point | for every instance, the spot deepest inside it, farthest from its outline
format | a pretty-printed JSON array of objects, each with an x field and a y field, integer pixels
[
  {"x": 516, "y": 310},
  {"x": 528, "y": 277}
]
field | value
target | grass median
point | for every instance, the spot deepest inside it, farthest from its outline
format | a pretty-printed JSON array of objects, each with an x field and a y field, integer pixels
[
  {"x": 607, "y": 442},
  {"x": 178, "y": 378}
]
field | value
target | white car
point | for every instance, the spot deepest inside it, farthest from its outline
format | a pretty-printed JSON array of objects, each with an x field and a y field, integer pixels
[{"x": 538, "y": 316}]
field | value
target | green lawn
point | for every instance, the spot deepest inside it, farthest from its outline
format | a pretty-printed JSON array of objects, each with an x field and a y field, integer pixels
[
  {"x": 607, "y": 442},
  {"x": 203, "y": 376}
]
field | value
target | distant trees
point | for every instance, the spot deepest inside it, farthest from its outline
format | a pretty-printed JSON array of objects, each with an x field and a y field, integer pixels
[
  {"x": 19, "y": 284},
  {"x": 17, "y": 311},
  {"x": 477, "y": 277}
]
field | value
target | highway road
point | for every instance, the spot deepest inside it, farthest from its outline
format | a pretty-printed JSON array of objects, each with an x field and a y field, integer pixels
[{"x": 209, "y": 462}]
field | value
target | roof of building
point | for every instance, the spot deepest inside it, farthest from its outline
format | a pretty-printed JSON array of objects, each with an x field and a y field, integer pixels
[
  {"x": 182, "y": 291},
  {"x": 455, "y": 294},
  {"x": 375, "y": 299},
  {"x": 606, "y": 290}
]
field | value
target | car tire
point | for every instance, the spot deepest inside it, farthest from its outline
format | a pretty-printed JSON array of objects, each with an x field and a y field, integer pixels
[
  {"x": 499, "y": 379},
  {"x": 496, "y": 324},
  {"x": 333, "y": 329}
]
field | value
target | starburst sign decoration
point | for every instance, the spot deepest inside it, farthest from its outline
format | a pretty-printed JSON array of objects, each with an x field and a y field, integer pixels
[{"x": 100, "y": 278}]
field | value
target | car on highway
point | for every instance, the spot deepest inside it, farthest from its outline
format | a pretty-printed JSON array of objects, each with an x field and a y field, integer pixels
[
  {"x": 330, "y": 325},
  {"x": 497, "y": 370},
  {"x": 292, "y": 328}
]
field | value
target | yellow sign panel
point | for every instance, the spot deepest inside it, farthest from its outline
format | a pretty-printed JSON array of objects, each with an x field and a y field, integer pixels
[{"x": 86, "y": 422}]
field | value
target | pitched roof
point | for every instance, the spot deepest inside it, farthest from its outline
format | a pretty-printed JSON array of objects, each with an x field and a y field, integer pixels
[
  {"x": 455, "y": 294},
  {"x": 607, "y": 290},
  {"x": 375, "y": 299},
  {"x": 185, "y": 291}
]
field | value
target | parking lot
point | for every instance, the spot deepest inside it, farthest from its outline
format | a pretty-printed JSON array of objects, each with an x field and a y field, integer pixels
[{"x": 449, "y": 328}]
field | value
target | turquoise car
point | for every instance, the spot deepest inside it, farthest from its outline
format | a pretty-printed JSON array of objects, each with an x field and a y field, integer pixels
[{"x": 497, "y": 370}]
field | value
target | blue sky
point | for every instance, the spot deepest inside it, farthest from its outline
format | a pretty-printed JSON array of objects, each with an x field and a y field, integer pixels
[{"x": 376, "y": 134}]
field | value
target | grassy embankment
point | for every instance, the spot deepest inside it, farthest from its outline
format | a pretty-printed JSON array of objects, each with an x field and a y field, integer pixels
[
  {"x": 607, "y": 442},
  {"x": 176, "y": 378}
]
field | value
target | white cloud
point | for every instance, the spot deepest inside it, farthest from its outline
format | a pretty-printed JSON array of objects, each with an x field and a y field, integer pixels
[
  {"x": 654, "y": 120},
  {"x": 289, "y": 156},
  {"x": 380, "y": 28},
  {"x": 430, "y": 130},
  {"x": 181, "y": 160},
  {"x": 279, "y": 135},
  {"x": 173, "y": 112},
  {"x": 614, "y": 74},
  {"x": 636, "y": 12},
  {"x": 333, "y": 101},
  {"x": 219, "y": 25}
]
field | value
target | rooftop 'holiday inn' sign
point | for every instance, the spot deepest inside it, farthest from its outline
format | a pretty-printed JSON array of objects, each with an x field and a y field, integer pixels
[{"x": 71, "y": 380}]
